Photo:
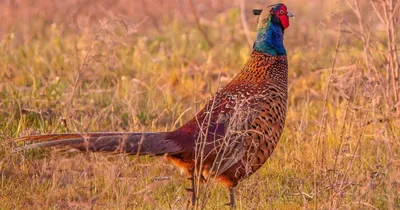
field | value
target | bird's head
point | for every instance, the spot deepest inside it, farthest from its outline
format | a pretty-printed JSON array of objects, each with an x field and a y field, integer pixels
[
  {"x": 271, "y": 25},
  {"x": 276, "y": 13}
]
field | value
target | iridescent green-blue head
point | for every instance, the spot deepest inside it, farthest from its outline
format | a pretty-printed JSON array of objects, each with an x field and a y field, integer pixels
[{"x": 271, "y": 26}]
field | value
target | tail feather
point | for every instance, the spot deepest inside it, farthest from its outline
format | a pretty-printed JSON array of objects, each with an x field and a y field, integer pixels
[
  {"x": 131, "y": 143},
  {"x": 48, "y": 137}
]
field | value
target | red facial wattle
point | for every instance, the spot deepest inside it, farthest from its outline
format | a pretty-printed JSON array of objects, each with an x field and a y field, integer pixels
[{"x": 282, "y": 13}]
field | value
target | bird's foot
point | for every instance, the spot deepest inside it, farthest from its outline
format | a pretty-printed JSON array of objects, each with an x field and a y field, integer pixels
[
  {"x": 189, "y": 190},
  {"x": 192, "y": 192},
  {"x": 232, "y": 205},
  {"x": 192, "y": 196}
]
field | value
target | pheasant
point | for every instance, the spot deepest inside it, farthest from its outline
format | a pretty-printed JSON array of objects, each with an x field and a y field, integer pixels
[{"x": 232, "y": 136}]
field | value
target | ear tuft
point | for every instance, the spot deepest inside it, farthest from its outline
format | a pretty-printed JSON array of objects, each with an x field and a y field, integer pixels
[{"x": 257, "y": 11}]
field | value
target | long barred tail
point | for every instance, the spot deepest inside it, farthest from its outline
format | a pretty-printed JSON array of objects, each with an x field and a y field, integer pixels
[{"x": 130, "y": 143}]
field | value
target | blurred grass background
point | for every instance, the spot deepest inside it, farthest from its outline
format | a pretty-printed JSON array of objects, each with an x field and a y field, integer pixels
[{"x": 148, "y": 65}]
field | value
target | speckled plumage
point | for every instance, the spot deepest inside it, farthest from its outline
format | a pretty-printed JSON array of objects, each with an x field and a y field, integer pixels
[
  {"x": 232, "y": 136},
  {"x": 257, "y": 96}
]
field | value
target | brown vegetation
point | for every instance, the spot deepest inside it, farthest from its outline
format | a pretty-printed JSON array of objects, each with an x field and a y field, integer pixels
[{"x": 148, "y": 65}]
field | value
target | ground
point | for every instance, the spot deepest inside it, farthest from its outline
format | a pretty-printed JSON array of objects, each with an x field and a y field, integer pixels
[{"x": 150, "y": 65}]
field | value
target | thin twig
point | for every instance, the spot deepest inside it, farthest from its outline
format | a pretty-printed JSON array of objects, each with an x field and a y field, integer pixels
[
  {"x": 81, "y": 70},
  {"x": 198, "y": 24},
  {"x": 324, "y": 114},
  {"x": 244, "y": 22}
]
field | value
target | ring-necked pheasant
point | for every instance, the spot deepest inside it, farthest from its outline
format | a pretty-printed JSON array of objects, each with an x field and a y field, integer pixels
[{"x": 236, "y": 131}]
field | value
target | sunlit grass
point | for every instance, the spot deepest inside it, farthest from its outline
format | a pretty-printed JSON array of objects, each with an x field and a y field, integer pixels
[{"x": 110, "y": 77}]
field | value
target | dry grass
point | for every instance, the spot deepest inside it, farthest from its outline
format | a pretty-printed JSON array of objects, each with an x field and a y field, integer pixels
[{"x": 149, "y": 65}]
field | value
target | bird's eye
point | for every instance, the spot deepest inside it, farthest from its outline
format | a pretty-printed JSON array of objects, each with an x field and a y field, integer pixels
[{"x": 282, "y": 12}]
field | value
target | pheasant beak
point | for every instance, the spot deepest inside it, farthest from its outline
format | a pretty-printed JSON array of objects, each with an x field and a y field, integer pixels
[{"x": 291, "y": 15}]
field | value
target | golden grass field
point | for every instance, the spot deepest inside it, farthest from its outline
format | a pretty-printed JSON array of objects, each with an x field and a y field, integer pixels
[{"x": 148, "y": 65}]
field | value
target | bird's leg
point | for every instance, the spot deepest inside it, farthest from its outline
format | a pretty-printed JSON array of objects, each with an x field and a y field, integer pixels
[
  {"x": 231, "y": 198},
  {"x": 192, "y": 190}
]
